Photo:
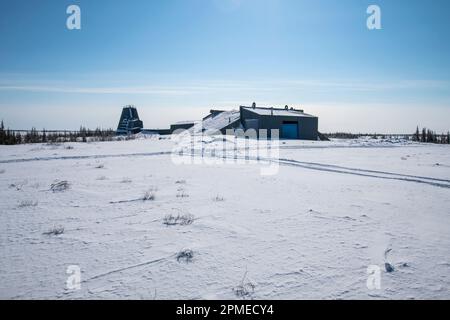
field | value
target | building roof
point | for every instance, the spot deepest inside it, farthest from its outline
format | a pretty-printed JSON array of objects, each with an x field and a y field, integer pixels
[
  {"x": 220, "y": 121},
  {"x": 186, "y": 122},
  {"x": 278, "y": 112}
]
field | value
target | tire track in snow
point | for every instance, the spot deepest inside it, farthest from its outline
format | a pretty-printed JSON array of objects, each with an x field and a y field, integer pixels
[
  {"x": 443, "y": 183},
  {"x": 369, "y": 173},
  {"x": 121, "y": 155},
  {"x": 126, "y": 268},
  {"x": 365, "y": 170},
  {"x": 147, "y": 154}
]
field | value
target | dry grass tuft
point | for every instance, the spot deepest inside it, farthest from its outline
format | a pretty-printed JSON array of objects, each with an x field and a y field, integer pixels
[
  {"x": 60, "y": 186},
  {"x": 149, "y": 196},
  {"x": 185, "y": 256},
  {"x": 245, "y": 289},
  {"x": 182, "y": 220},
  {"x": 55, "y": 231},
  {"x": 27, "y": 204}
]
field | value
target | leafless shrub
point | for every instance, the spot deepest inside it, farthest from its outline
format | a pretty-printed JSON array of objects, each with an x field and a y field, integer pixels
[
  {"x": 15, "y": 186},
  {"x": 148, "y": 196},
  {"x": 55, "y": 231},
  {"x": 130, "y": 137},
  {"x": 60, "y": 186},
  {"x": 182, "y": 220},
  {"x": 245, "y": 289},
  {"x": 218, "y": 198},
  {"x": 185, "y": 255},
  {"x": 182, "y": 193},
  {"x": 18, "y": 186},
  {"x": 27, "y": 203},
  {"x": 388, "y": 267}
]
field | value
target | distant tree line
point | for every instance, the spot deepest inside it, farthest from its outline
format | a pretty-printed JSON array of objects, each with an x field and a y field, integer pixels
[
  {"x": 348, "y": 135},
  {"x": 429, "y": 136},
  {"x": 426, "y": 136},
  {"x": 11, "y": 137},
  {"x": 343, "y": 135}
]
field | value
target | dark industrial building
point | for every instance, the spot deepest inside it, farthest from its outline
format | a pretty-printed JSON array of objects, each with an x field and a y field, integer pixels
[
  {"x": 129, "y": 122},
  {"x": 182, "y": 125},
  {"x": 291, "y": 123}
]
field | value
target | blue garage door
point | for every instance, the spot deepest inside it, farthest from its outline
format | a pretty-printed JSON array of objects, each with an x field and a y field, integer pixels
[{"x": 289, "y": 131}]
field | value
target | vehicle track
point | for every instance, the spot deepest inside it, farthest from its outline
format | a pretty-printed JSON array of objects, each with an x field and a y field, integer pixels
[
  {"x": 369, "y": 173},
  {"x": 443, "y": 183},
  {"x": 102, "y": 156}
]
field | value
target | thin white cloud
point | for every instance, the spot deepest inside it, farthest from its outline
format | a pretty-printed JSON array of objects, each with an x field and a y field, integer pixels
[
  {"x": 97, "y": 90},
  {"x": 228, "y": 86},
  {"x": 358, "y": 85}
]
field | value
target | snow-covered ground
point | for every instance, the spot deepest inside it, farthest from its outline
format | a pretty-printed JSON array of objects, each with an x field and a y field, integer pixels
[{"x": 311, "y": 230}]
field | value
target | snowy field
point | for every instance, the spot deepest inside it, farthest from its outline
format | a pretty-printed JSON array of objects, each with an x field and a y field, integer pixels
[{"x": 309, "y": 231}]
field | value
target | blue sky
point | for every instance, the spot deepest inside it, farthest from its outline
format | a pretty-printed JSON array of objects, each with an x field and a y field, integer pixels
[{"x": 176, "y": 59}]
